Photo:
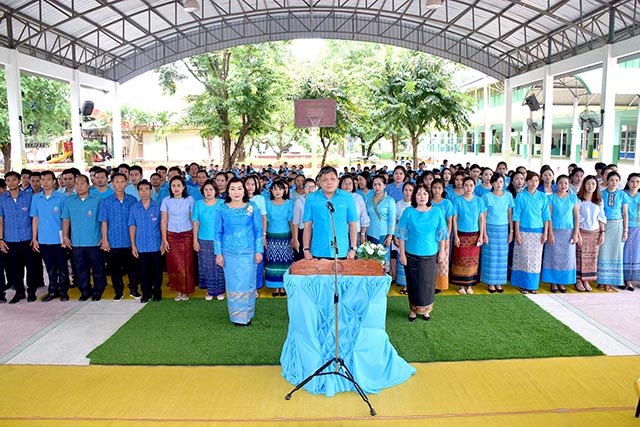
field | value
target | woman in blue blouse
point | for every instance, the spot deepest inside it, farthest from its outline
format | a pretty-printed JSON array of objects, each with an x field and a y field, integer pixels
[
  {"x": 559, "y": 262},
  {"x": 631, "y": 256},
  {"x": 422, "y": 232},
  {"x": 211, "y": 276},
  {"x": 238, "y": 231},
  {"x": 382, "y": 215},
  {"x": 531, "y": 223},
  {"x": 468, "y": 231},
  {"x": 498, "y": 235},
  {"x": 440, "y": 201},
  {"x": 279, "y": 252},
  {"x": 616, "y": 233}
]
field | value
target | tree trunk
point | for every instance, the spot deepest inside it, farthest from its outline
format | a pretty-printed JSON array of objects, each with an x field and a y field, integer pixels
[
  {"x": 414, "y": 145},
  {"x": 226, "y": 150},
  {"x": 394, "y": 146},
  {"x": 6, "y": 153}
]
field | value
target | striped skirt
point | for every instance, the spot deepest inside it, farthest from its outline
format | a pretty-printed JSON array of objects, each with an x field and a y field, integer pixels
[
  {"x": 464, "y": 268},
  {"x": 210, "y": 274},
  {"x": 278, "y": 258},
  {"x": 239, "y": 274},
  {"x": 587, "y": 255},
  {"x": 442, "y": 275},
  {"x": 610, "y": 256},
  {"x": 527, "y": 260},
  {"x": 180, "y": 262},
  {"x": 631, "y": 256},
  {"x": 559, "y": 260},
  {"x": 494, "y": 255},
  {"x": 421, "y": 278},
  {"x": 401, "y": 278}
]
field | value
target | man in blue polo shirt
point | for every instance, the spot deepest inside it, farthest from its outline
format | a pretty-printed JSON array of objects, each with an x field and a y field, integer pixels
[
  {"x": 46, "y": 214},
  {"x": 15, "y": 237},
  {"x": 318, "y": 234},
  {"x": 114, "y": 216},
  {"x": 81, "y": 234},
  {"x": 146, "y": 243}
]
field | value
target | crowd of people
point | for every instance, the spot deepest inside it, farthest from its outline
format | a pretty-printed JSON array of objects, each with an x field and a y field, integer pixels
[{"x": 235, "y": 231}]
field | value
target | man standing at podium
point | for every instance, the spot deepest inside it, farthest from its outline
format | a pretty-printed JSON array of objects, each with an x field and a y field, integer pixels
[{"x": 318, "y": 234}]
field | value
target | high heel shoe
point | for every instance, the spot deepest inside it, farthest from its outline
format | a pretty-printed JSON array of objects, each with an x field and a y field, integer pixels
[{"x": 411, "y": 319}]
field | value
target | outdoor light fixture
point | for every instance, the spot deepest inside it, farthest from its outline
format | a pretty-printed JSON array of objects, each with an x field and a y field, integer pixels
[
  {"x": 191, "y": 6},
  {"x": 432, "y": 4}
]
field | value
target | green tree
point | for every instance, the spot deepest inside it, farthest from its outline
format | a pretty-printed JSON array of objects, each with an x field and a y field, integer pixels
[
  {"x": 134, "y": 123},
  {"x": 240, "y": 91},
  {"x": 163, "y": 126},
  {"x": 45, "y": 105},
  {"x": 417, "y": 94}
]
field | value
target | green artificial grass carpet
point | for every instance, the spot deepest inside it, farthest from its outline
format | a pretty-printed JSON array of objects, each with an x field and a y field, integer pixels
[{"x": 477, "y": 327}]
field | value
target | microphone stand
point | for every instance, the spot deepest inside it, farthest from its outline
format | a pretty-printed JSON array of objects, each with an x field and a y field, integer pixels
[{"x": 339, "y": 362}]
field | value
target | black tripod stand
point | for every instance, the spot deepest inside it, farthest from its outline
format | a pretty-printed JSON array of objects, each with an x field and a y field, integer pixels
[{"x": 340, "y": 368}]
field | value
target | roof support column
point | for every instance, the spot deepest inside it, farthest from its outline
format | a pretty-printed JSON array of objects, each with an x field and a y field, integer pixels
[
  {"x": 525, "y": 149},
  {"x": 76, "y": 123},
  {"x": 14, "y": 107},
  {"x": 116, "y": 124},
  {"x": 578, "y": 152},
  {"x": 608, "y": 107},
  {"x": 636, "y": 155},
  {"x": 506, "y": 125},
  {"x": 547, "y": 118},
  {"x": 488, "y": 138}
]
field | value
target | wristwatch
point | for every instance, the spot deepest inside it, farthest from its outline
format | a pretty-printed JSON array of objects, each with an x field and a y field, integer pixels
[
  {"x": 305, "y": 249},
  {"x": 353, "y": 248}
]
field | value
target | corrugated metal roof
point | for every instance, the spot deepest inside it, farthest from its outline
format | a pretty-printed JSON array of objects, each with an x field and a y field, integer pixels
[{"x": 123, "y": 38}]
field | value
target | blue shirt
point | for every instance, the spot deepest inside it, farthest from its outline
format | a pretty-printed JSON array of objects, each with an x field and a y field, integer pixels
[
  {"x": 481, "y": 191},
  {"x": 382, "y": 218},
  {"x": 395, "y": 191},
  {"x": 132, "y": 190},
  {"x": 316, "y": 211},
  {"x": 468, "y": 212},
  {"x": 178, "y": 213},
  {"x": 422, "y": 230},
  {"x": 532, "y": 210},
  {"x": 562, "y": 211},
  {"x": 17, "y": 221},
  {"x": 104, "y": 194},
  {"x": 634, "y": 207},
  {"x": 279, "y": 217},
  {"x": 147, "y": 223},
  {"x": 446, "y": 206},
  {"x": 498, "y": 208},
  {"x": 162, "y": 193},
  {"x": 83, "y": 214},
  {"x": 613, "y": 202},
  {"x": 116, "y": 214},
  {"x": 205, "y": 215},
  {"x": 49, "y": 214},
  {"x": 238, "y": 231},
  {"x": 194, "y": 191}
]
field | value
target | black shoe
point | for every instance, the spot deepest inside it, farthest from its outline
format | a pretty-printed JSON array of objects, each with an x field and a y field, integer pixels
[
  {"x": 32, "y": 298},
  {"x": 412, "y": 319},
  {"x": 492, "y": 291},
  {"x": 426, "y": 317},
  {"x": 500, "y": 290},
  {"x": 144, "y": 300},
  {"x": 135, "y": 294},
  {"x": 96, "y": 298},
  {"x": 157, "y": 298},
  {"x": 16, "y": 299},
  {"x": 438, "y": 291},
  {"x": 117, "y": 297},
  {"x": 64, "y": 297},
  {"x": 283, "y": 293},
  {"x": 84, "y": 298},
  {"x": 50, "y": 297}
]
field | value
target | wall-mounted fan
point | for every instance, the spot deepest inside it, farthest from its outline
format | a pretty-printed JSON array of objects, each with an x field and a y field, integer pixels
[{"x": 589, "y": 120}]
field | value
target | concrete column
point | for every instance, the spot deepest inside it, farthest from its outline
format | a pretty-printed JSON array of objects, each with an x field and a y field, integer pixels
[
  {"x": 506, "y": 124},
  {"x": 636, "y": 155},
  {"x": 116, "y": 124},
  {"x": 76, "y": 124},
  {"x": 14, "y": 107},
  {"x": 608, "y": 105},
  {"x": 577, "y": 153},
  {"x": 488, "y": 139},
  {"x": 547, "y": 132}
]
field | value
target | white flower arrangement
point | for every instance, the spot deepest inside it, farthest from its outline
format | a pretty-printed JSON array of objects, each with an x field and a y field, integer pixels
[
  {"x": 368, "y": 250},
  {"x": 249, "y": 209}
]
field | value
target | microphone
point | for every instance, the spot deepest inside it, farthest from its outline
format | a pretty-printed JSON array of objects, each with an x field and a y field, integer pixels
[{"x": 330, "y": 206}]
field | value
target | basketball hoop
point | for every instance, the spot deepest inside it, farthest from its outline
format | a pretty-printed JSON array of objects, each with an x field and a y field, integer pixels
[{"x": 314, "y": 120}]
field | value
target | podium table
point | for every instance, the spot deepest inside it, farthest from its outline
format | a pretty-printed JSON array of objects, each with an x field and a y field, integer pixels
[{"x": 364, "y": 344}]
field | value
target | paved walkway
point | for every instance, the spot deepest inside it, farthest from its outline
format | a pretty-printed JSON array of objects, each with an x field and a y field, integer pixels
[{"x": 63, "y": 333}]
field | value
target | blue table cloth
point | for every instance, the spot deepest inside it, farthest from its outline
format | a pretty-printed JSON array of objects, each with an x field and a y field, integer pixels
[{"x": 364, "y": 343}]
